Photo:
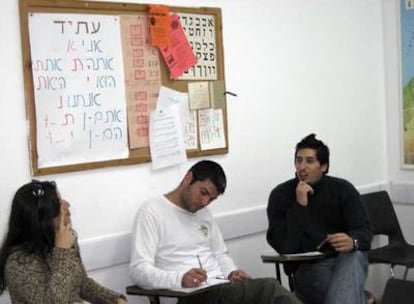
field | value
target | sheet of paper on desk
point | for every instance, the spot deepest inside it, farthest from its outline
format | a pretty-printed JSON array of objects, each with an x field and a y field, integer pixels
[
  {"x": 210, "y": 282},
  {"x": 303, "y": 254}
]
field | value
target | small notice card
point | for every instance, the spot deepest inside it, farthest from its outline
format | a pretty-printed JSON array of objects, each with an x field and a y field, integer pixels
[
  {"x": 211, "y": 129},
  {"x": 199, "y": 95}
]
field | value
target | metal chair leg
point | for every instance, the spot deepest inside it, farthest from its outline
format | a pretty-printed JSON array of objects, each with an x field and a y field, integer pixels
[
  {"x": 405, "y": 273},
  {"x": 154, "y": 299}
]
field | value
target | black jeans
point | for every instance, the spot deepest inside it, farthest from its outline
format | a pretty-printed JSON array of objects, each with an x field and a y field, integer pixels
[{"x": 253, "y": 291}]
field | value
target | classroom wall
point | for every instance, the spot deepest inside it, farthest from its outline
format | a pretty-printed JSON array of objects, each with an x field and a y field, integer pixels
[{"x": 297, "y": 67}]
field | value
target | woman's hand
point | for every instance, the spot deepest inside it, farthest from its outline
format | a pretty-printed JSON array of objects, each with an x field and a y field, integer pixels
[
  {"x": 64, "y": 237},
  {"x": 121, "y": 301}
]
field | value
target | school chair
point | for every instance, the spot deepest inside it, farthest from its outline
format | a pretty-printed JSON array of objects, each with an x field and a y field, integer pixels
[
  {"x": 398, "y": 291},
  {"x": 154, "y": 295},
  {"x": 384, "y": 221},
  {"x": 272, "y": 257}
]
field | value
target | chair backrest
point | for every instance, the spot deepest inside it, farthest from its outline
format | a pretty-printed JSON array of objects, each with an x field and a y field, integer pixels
[
  {"x": 382, "y": 216},
  {"x": 398, "y": 291}
]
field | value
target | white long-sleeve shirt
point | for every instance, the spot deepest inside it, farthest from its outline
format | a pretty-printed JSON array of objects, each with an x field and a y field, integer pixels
[{"x": 166, "y": 240}]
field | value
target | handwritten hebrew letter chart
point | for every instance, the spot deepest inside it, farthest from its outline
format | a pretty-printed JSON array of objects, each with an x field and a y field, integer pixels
[{"x": 78, "y": 87}]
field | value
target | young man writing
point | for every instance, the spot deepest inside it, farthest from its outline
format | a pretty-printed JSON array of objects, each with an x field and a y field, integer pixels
[{"x": 177, "y": 244}]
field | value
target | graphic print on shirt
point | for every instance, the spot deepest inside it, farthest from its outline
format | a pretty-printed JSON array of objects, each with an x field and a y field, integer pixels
[{"x": 204, "y": 230}]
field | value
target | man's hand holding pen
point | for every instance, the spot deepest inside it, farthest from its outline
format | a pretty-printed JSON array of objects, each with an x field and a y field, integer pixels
[
  {"x": 340, "y": 241},
  {"x": 194, "y": 277}
]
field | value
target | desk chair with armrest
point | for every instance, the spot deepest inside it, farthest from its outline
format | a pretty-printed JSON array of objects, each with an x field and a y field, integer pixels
[
  {"x": 154, "y": 295},
  {"x": 272, "y": 257},
  {"x": 384, "y": 221}
]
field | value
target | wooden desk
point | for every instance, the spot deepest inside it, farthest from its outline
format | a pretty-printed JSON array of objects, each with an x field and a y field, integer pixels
[{"x": 271, "y": 256}]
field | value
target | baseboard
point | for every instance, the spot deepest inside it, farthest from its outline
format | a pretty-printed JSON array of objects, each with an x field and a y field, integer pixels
[
  {"x": 106, "y": 251},
  {"x": 374, "y": 187},
  {"x": 402, "y": 192}
]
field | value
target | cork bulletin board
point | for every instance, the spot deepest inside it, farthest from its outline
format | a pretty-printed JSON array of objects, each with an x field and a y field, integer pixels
[{"x": 92, "y": 79}]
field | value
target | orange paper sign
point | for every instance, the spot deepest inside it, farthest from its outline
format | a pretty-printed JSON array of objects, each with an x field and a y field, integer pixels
[{"x": 159, "y": 25}]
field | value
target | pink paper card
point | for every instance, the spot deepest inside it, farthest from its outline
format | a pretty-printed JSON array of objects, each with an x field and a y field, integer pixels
[{"x": 179, "y": 55}]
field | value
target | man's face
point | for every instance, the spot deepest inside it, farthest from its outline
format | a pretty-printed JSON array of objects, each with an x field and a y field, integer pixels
[
  {"x": 197, "y": 195},
  {"x": 308, "y": 167}
]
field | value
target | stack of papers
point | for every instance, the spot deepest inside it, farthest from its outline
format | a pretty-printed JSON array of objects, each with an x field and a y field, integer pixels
[
  {"x": 210, "y": 282},
  {"x": 304, "y": 254}
]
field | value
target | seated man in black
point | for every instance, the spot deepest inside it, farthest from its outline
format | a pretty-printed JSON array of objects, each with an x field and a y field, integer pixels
[{"x": 311, "y": 208}]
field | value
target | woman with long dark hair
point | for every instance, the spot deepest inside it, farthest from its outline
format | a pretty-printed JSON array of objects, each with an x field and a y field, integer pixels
[{"x": 40, "y": 261}]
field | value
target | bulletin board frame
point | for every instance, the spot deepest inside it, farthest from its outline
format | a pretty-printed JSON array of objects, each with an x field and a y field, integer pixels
[{"x": 138, "y": 155}]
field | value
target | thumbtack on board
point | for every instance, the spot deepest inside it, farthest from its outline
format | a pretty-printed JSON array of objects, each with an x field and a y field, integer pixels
[{"x": 230, "y": 93}]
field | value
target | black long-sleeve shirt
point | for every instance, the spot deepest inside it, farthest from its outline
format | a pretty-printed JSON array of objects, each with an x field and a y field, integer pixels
[{"x": 335, "y": 206}]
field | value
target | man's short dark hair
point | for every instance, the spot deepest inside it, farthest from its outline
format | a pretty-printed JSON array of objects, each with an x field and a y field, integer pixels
[
  {"x": 322, "y": 150},
  {"x": 207, "y": 169}
]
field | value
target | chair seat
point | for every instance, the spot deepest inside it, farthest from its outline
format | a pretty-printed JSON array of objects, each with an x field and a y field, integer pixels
[
  {"x": 394, "y": 255},
  {"x": 398, "y": 292}
]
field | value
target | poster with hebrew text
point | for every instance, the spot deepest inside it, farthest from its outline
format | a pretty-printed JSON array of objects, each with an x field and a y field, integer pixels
[{"x": 78, "y": 88}]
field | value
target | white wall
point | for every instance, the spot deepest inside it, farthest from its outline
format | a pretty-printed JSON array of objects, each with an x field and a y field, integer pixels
[{"x": 298, "y": 66}]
